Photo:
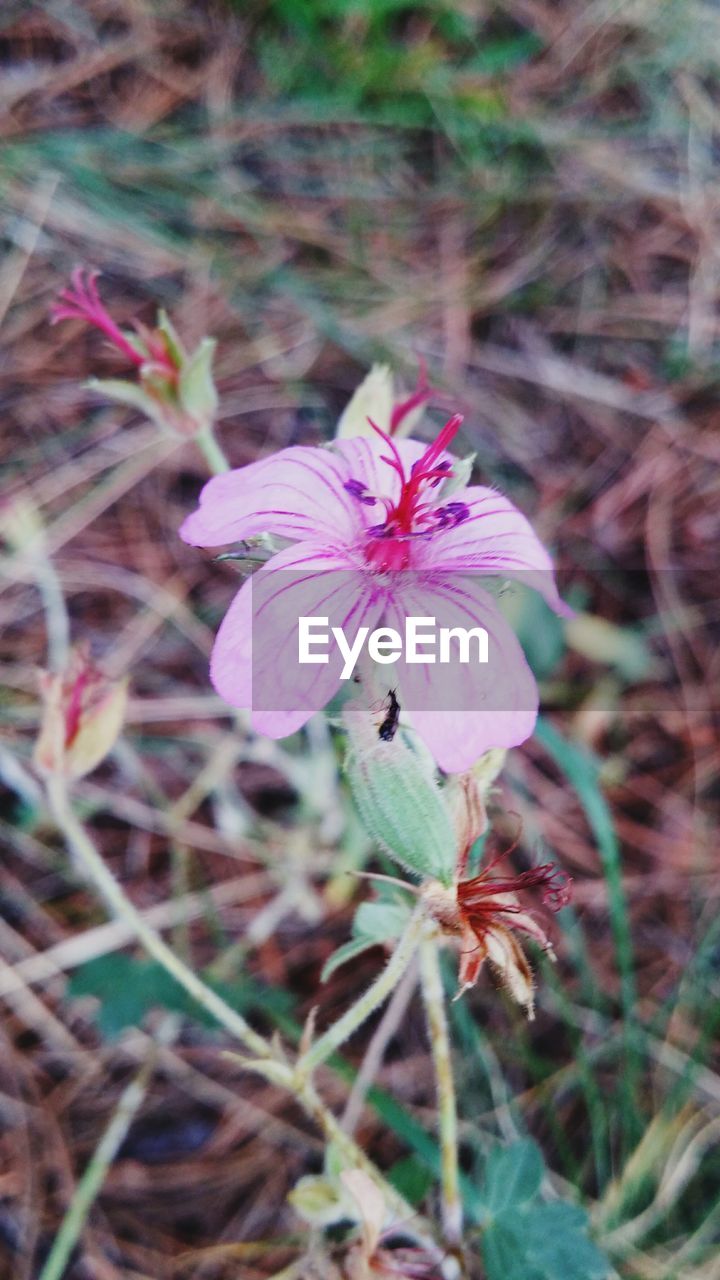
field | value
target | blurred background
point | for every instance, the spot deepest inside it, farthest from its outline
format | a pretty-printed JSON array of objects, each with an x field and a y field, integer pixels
[{"x": 523, "y": 194}]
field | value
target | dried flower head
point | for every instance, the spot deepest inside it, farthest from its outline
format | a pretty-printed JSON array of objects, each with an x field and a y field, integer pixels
[
  {"x": 373, "y": 1256},
  {"x": 83, "y": 713},
  {"x": 487, "y": 912}
]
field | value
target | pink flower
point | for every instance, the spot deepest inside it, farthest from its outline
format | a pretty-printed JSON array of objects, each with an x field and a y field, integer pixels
[{"x": 376, "y": 537}]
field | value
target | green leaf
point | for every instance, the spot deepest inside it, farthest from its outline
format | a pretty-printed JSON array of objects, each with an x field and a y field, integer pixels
[
  {"x": 582, "y": 770},
  {"x": 127, "y": 393},
  {"x": 512, "y": 1176},
  {"x": 542, "y": 1242},
  {"x": 374, "y": 922},
  {"x": 166, "y": 326},
  {"x": 128, "y": 988},
  {"x": 382, "y": 920},
  {"x": 601, "y": 641},
  {"x": 556, "y": 1241},
  {"x": 539, "y": 630},
  {"x": 504, "y": 1255},
  {"x": 348, "y": 951},
  {"x": 411, "y": 1178}
]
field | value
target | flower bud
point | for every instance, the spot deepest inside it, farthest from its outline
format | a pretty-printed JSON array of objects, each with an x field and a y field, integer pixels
[
  {"x": 318, "y": 1201},
  {"x": 83, "y": 715},
  {"x": 175, "y": 389},
  {"x": 376, "y": 400},
  {"x": 398, "y": 799}
]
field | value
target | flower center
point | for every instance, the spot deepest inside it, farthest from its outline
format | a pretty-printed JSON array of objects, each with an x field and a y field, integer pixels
[{"x": 415, "y": 514}]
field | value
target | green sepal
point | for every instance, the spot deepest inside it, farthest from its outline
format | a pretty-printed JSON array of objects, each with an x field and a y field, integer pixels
[
  {"x": 176, "y": 350},
  {"x": 398, "y": 799},
  {"x": 196, "y": 388},
  {"x": 128, "y": 393}
]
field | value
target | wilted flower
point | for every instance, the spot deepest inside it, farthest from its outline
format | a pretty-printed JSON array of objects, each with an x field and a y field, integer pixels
[
  {"x": 376, "y": 400},
  {"x": 83, "y": 713},
  {"x": 377, "y": 539},
  {"x": 174, "y": 388},
  {"x": 486, "y": 912},
  {"x": 372, "y": 1257}
]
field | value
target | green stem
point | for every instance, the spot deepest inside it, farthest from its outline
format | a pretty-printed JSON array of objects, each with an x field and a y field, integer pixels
[
  {"x": 380, "y": 989},
  {"x": 434, "y": 1000},
  {"x": 122, "y": 908},
  {"x": 266, "y": 1063},
  {"x": 212, "y": 451}
]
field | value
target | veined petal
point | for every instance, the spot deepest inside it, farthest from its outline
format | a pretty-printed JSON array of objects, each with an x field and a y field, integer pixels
[
  {"x": 511, "y": 965},
  {"x": 494, "y": 538},
  {"x": 461, "y": 710},
  {"x": 297, "y": 493},
  {"x": 255, "y": 661}
]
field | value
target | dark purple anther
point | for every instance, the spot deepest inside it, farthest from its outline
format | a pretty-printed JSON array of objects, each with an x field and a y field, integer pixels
[
  {"x": 357, "y": 489},
  {"x": 458, "y": 511}
]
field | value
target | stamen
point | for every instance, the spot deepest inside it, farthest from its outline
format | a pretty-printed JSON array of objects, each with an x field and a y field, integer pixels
[
  {"x": 422, "y": 392},
  {"x": 358, "y": 490},
  {"x": 410, "y": 516},
  {"x": 396, "y": 461},
  {"x": 555, "y": 882}
]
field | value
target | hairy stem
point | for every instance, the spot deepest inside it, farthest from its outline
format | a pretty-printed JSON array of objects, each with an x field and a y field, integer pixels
[
  {"x": 211, "y": 451},
  {"x": 122, "y": 908},
  {"x": 380, "y": 989},
  {"x": 267, "y": 1062},
  {"x": 434, "y": 1000}
]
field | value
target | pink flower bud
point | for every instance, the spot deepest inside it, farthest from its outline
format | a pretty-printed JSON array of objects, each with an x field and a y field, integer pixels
[
  {"x": 172, "y": 387},
  {"x": 83, "y": 713}
]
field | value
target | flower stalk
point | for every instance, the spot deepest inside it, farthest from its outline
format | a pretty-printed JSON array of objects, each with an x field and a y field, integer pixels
[
  {"x": 267, "y": 1061},
  {"x": 377, "y": 992},
  {"x": 120, "y": 906},
  {"x": 211, "y": 451},
  {"x": 434, "y": 1001}
]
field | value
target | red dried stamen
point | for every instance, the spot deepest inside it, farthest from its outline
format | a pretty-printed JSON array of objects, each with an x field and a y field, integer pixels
[{"x": 472, "y": 894}]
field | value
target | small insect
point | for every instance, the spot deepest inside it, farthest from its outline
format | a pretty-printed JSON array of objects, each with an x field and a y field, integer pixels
[
  {"x": 250, "y": 553},
  {"x": 388, "y": 728}
]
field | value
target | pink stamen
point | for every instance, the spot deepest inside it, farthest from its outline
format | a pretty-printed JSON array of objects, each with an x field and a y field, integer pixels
[
  {"x": 81, "y": 301},
  {"x": 422, "y": 392},
  {"x": 388, "y": 548},
  {"x": 396, "y": 461}
]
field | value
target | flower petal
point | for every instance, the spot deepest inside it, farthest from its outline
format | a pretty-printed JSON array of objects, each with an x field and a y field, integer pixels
[
  {"x": 461, "y": 710},
  {"x": 297, "y": 493},
  {"x": 511, "y": 965},
  {"x": 473, "y": 954},
  {"x": 494, "y": 538},
  {"x": 255, "y": 658}
]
